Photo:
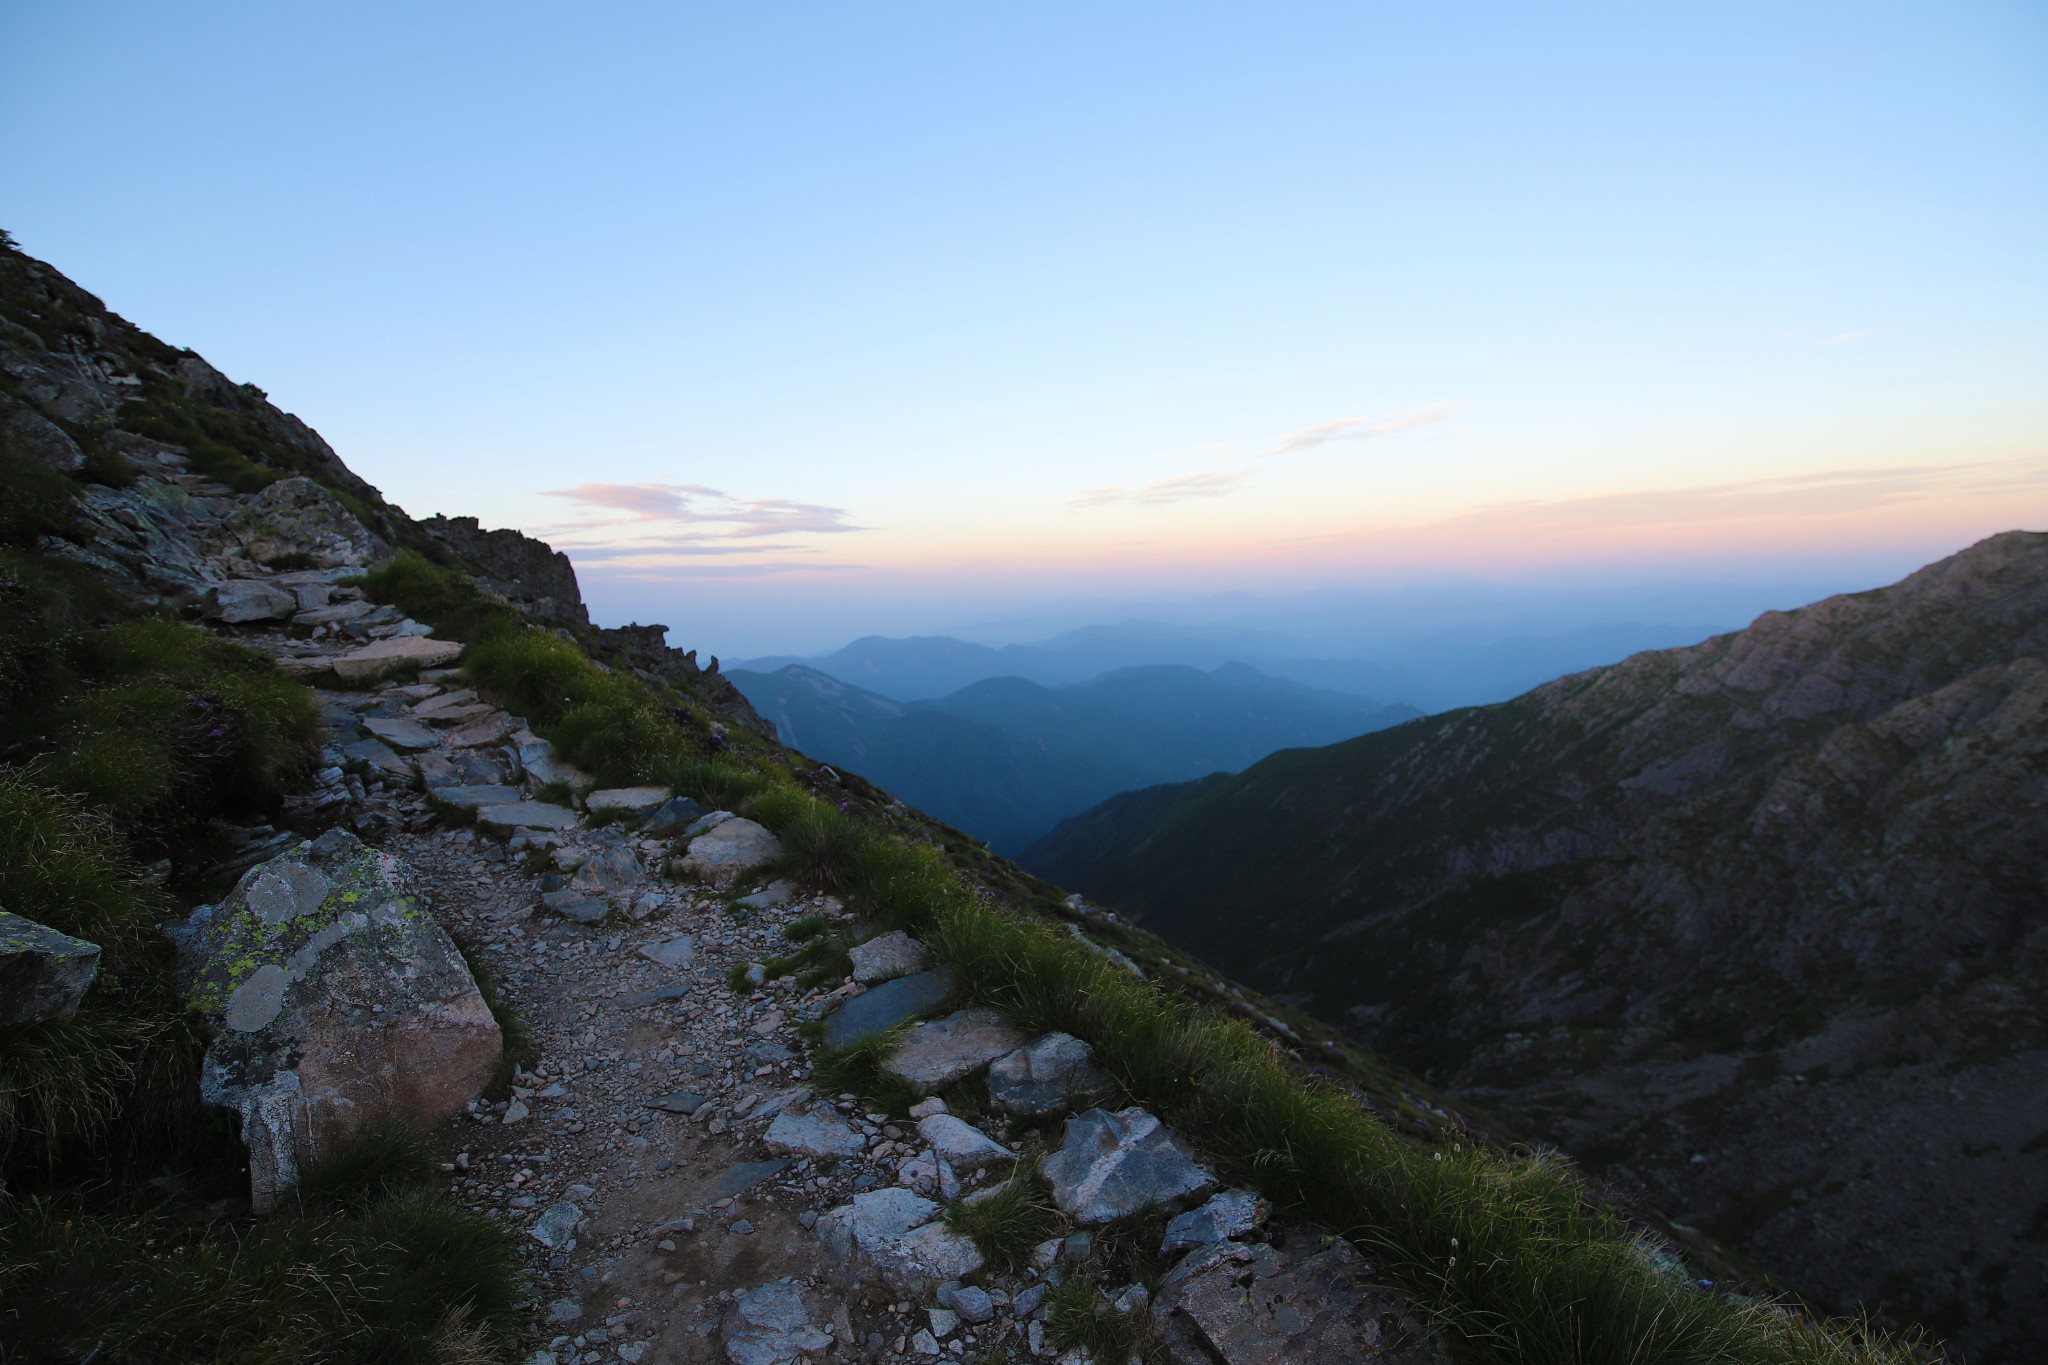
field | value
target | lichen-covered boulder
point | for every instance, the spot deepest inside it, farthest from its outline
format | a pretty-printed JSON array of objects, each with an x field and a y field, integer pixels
[
  {"x": 43, "y": 973},
  {"x": 298, "y": 519},
  {"x": 335, "y": 999}
]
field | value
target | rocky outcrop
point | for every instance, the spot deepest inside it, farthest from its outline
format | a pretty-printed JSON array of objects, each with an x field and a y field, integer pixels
[
  {"x": 297, "y": 520},
  {"x": 530, "y": 574},
  {"x": 43, "y": 973},
  {"x": 335, "y": 1000}
]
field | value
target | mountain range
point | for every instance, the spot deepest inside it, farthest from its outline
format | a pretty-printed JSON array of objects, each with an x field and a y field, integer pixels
[
  {"x": 1759, "y": 926},
  {"x": 1005, "y": 759}
]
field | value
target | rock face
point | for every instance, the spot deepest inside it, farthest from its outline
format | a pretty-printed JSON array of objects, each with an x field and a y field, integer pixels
[
  {"x": 1049, "y": 1075},
  {"x": 1773, "y": 900},
  {"x": 1112, "y": 1165},
  {"x": 43, "y": 974},
  {"x": 1262, "y": 1305},
  {"x": 528, "y": 573},
  {"x": 336, "y": 1000}
]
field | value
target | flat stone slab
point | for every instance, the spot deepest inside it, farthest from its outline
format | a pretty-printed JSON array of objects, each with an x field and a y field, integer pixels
[
  {"x": 733, "y": 847},
  {"x": 684, "y": 1102},
  {"x": 1046, "y": 1076},
  {"x": 679, "y": 951},
  {"x": 778, "y": 1323},
  {"x": 674, "y": 816},
  {"x": 961, "y": 1145},
  {"x": 1229, "y": 1214},
  {"x": 814, "y": 1134},
  {"x": 895, "y": 1234},
  {"x": 886, "y": 1006},
  {"x": 632, "y": 800},
  {"x": 487, "y": 729},
  {"x": 768, "y": 897},
  {"x": 937, "y": 1054},
  {"x": 407, "y": 736},
  {"x": 333, "y": 615},
  {"x": 528, "y": 815},
  {"x": 43, "y": 973},
  {"x": 476, "y": 797},
  {"x": 581, "y": 909},
  {"x": 1112, "y": 1165},
  {"x": 248, "y": 599},
  {"x": 738, "y": 1179},
  {"x": 888, "y": 956},
  {"x": 378, "y": 755},
  {"x": 1265, "y": 1305},
  {"x": 391, "y": 656},
  {"x": 642, "y": 999}
]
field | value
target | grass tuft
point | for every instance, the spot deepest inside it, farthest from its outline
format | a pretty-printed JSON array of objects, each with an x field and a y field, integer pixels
[
  {"x": 1006, "y": 1225},
  {"x": 858, "y": 1069}
]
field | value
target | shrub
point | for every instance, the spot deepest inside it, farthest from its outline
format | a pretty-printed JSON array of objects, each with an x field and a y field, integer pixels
[{"x": 446, "y": 599}]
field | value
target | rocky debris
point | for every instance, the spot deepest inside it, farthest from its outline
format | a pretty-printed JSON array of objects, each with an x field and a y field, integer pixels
[
  {"x": 673, "y": 817},
  {"x": 820, "y": 1133},
  {"x": 386, "y": 657},
  {"x": 1049, "y": 1075},
  {"x": 1262, "y": 1305},
  {"x": 896, "y": 1236},
  {"x": 631, "y": 800},
  {"x": 1112, "y": 1165},
  {"x": 296, "y": 518},
  {"x": 43, "y": 973},
  {"x": 611, "y": 873},
  {"x": 336, "y": 999},
  {"x": 895, "y": 1002},
  {"x": 730, "y": 849},
  {"x": 935, "y": 1055},
  {"x": 778, "y": 1323},
  {"x": 519, "y": 815},
  {"x": 888, "y": 956},
  {"x": 241, "y": 600},
  {"x": 961, "y": 1145},
  {"x": 1228, "y": 1214}
]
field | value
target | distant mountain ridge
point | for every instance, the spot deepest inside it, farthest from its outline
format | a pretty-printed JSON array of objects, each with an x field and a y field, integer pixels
[
  {"x": 1004, "y": 759},
  {"x": 1746, "y": 922}
]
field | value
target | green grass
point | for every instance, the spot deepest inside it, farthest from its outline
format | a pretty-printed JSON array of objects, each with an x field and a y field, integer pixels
[
  {"x": 1079, "y": 1314},
  {"x": 1007, "y": 1224},
  {"x": 858, "y": 1069}
]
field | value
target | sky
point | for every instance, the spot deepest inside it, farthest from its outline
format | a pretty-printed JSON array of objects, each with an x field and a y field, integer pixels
[{"x": 794, "y": 322}]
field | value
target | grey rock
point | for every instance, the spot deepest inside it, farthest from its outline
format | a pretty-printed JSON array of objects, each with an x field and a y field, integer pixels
[
  {"x": 43, "y": 973},
  {"x": 768, "y": 897},
  {"x": 387, "y": 657},
  {"x": 476, "y": 797},
  {"x": 407, "y": 736},
  {"x": 820, "y": 1133},
  {"x": 936, "y": 1054},
  {"x": 377, "y": 754},
  {"x": 891, "y": 1234},
  {"x": 886, "y": 1006},
  {"x": 734, "y": 847},
  {"x": 971, "y": 1302},
  {"x": 632, "y": 800},
  {"x": 944, "y": 1322},
  {"x": 642, "y": 999},
  {"x": 888, "y": 956},
  {"x": 527, "y": 815},
  {"x": 1046, "y": 1076},
  {"x": 673, "y": 816},
  {"x": 929, "y": 1174},
  {"x": 1112, "y": 1165},
  {"x": 556, "y": 1226},
  {"x": 1026, "y": 1300},
  {"x": 1263, "y": 1305},
  {"x": 577, "y": 908},
  {"x": 743, "y": 1176},
  {"x": 611, "y": 873},
  {"x": 335, "y": 1000},
  {"x": 484, "y": 730},
  {"x": 537, "y": 759},
  {"x": 241, "y": 600},
  {"x": 1231, "y": 1213},
  {"x": 333, "y": 614},
  {"x": 295, "y": 517},
  {"x": 682, "y": 1102},
  {"x": 778, "y": 1323},
  {"x": 38, "y": 439},
  {"x": 962, "y": 1145},
  {"x": 679, "y": 951}
]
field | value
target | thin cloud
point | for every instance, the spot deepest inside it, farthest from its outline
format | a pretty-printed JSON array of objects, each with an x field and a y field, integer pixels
[
  {"x": 1211, "y": 483},
  {"x": 1357, "y": 429},
  {"x": 695, "y": 505},
  {"x": 1839, "y": 339}
]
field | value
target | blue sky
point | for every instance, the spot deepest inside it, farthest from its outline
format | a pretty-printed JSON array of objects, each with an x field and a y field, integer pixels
[{"x": 797, "y": 321}]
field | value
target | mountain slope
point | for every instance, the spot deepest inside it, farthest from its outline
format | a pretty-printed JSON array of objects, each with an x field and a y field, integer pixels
[
  {"x": 1005, "y": 759},
  {"x": 1748, "y": 922}
]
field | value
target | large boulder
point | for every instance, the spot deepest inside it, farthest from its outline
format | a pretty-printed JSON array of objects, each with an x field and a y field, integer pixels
[
  {"x": 778, "y": 1323},
  {"x": 248, "y": 599},
  {"x": 335, "y": 999},
  {"x": 43, "y": 973},
  {"x": 1262, "y": 1305},
  {"x": 1046, "y": 1076},
  {"x": 729, "y": 849},
  {"x": 898, "y": 1237},
  {"x": 1112, "y": 1165},
  {"x": 298, "y": 519},
  {"x": 932, "y": 1056}
]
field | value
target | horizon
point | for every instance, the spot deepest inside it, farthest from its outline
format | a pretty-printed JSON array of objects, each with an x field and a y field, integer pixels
[{"x": 800, "y": 327}]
